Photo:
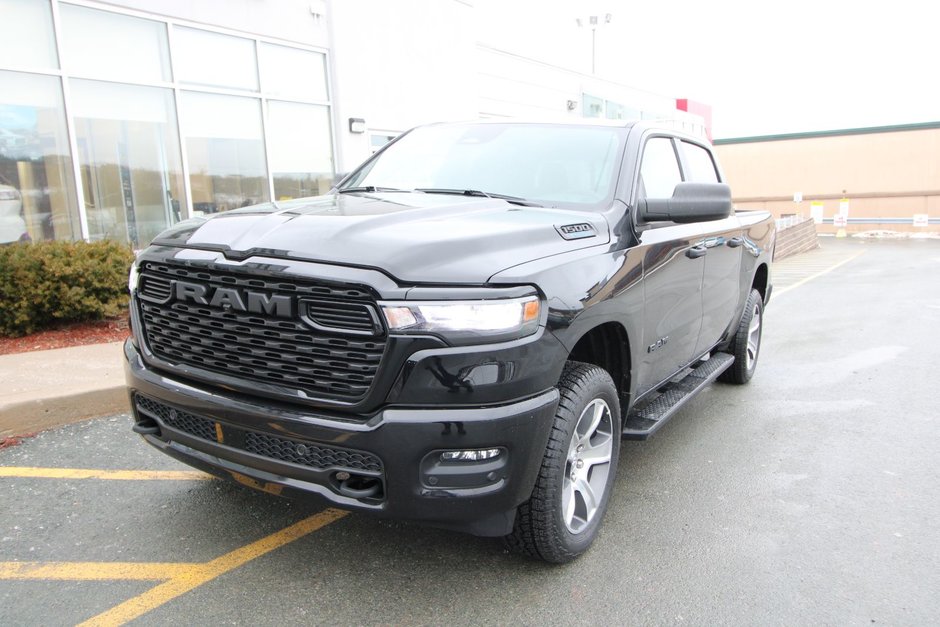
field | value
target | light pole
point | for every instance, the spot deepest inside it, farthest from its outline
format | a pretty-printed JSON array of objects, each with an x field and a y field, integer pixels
[{"x": 594, "y": 21}]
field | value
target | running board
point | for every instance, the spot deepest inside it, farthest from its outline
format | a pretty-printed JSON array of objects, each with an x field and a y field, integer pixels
[{"x": 646, "y": 420}]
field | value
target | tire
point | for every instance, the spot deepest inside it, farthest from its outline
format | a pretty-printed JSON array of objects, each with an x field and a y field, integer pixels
[
  {"x": 746, "y": 343},
  {"x": 557, "y": 523}
]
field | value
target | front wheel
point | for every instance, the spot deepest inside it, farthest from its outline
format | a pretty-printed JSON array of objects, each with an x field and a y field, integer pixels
[
  {"x": 561, "y": 518},
  {"x": 746, "y": 343}
]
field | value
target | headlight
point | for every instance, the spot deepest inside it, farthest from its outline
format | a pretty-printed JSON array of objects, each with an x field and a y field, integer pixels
[
  {"x": 133, "y": 278},
  {"x": 493, "y": 320}
]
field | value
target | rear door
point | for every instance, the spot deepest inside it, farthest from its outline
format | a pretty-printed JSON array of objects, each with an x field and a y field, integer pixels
[{"x": 722, "y": 241}]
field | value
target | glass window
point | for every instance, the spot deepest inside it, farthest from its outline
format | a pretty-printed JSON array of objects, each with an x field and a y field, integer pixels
[
  {"x": 592, "y": 107},
  {"x": 27, "y": 40},
  {"x": 701, "y": 166},
  {"x": 214, "y": 60},
  {"x": 659, "y": 170},
  {"x": 37, "y": 191},
  {"x": 225, "y": 149},
  {"x": 301, "y": 149},
  {"x": 129, "y": 155},
  {"x": 556, "y": 165},
  {"x": 293, "y": 73},
  {"x": 100, "y": 44},
  {"x": 379, "y": 139},
  {"x": 615, "y": 111}
]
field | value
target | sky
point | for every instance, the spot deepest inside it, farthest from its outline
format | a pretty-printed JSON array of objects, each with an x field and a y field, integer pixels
[{"x": 764, "y": 67}]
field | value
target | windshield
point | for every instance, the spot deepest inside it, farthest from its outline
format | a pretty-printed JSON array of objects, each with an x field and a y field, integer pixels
[{"x": 553, "y": 165}]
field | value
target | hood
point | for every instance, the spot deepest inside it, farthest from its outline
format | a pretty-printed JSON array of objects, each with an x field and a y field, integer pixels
[{"x": 413, "y": 237}]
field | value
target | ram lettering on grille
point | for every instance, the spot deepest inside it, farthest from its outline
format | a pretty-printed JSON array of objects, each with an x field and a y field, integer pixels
[{"x": 230, "y": 298}]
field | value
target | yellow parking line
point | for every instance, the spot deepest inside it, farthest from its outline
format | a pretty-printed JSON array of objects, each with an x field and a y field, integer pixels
[
  {"x": 816, "y": 276},
  {"x": 88, "y": 473},
  {"x": 93, "y": 571},
  {"x": 198, "y": 574}
]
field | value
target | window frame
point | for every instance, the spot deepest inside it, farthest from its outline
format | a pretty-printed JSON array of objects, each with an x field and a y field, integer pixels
[
  {"x": 684, "y": 163},
  {"x": 639, "y": 167},
  {"x": 684, "y": 171}
]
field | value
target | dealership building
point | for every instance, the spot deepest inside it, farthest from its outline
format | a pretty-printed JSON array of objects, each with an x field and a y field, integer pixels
[{"x": 118, "y": 119}]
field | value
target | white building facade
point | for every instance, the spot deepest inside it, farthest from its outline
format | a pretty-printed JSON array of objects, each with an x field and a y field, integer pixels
[{"x": 120, "y": 119}]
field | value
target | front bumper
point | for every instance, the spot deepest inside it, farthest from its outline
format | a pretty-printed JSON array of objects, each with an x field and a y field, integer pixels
[{"x": 392, "y": 457}]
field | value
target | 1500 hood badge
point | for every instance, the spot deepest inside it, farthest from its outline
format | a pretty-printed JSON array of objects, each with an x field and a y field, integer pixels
[{"x": 576, "y": 231}]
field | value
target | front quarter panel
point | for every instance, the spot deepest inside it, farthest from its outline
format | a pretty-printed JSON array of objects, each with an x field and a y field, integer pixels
[{"x": 584, "y": 290}]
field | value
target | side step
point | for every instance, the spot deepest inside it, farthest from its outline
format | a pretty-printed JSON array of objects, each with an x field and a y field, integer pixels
[{"x": 644, "y": 421}]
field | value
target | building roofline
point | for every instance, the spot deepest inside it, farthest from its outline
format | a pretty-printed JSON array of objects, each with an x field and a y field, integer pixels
[
  {"x": 897, "y": 128},
  {"x": 549, "y": 120},
  {"x": 663, "y": 125}
]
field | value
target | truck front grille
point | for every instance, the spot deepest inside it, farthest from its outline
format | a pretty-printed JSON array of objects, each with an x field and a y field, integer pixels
[
  {"x": 326, "y": 342},
  {"x": 180, "y": 420},
  {"x": 302, "y": 452},
  {"x": 308, "y": 454}
]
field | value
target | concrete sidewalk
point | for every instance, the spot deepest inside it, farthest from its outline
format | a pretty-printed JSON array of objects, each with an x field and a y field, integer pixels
[{"x": 44, "y": 389}]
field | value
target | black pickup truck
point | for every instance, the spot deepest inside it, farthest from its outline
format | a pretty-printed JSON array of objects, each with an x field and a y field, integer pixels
[{"x": 461, "y": 331}]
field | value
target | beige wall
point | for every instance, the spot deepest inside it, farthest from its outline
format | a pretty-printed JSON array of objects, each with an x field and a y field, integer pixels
[{"x": 888, "y": 174}]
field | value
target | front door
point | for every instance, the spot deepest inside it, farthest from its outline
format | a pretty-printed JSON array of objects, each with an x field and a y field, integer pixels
[
  {"x": 672, "y": 274},
  {"x": 722, "y": 243},
  {"x": 673, "y": 302}
]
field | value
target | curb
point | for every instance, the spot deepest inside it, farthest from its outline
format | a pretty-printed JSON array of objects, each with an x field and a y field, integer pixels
[
  {"x": 17, "y": 419},
  {"x": 51, "y": 388}
]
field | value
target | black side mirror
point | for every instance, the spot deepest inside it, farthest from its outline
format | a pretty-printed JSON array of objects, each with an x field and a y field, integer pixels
[{"x": 690, "y": 202}]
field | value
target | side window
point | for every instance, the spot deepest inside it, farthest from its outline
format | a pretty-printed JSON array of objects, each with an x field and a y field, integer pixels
[
  {"x": 701, "y": 166},
  {"x": 659, "y": 169}
]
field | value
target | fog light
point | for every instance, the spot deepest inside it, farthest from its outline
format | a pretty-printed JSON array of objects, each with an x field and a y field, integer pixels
[{"x": 470, "y": 456}]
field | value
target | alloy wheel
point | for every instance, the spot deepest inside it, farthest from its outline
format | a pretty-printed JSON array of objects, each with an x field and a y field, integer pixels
[{"x": 588, "y": 466}]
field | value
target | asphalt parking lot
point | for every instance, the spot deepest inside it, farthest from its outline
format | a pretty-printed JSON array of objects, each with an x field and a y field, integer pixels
[{"x": 810, "y": 496}]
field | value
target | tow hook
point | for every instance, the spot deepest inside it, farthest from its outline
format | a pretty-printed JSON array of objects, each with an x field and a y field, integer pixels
[
  {"x": 357, "y": 486},
  {"x": 146, "y": 426}
]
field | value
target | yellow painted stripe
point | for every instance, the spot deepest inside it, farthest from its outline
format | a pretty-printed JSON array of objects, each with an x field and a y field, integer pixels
[
  {"x": 89, "y": 473},
  {"x": 815, "y": 276},
  {"x": 93, "y": 571},
  {"x": 199, "y": 574}
]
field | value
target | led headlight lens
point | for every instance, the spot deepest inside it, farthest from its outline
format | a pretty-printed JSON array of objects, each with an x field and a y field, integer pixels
[
  {"x": 510, "y": 316},
  {"x": 133, "y": 277}
]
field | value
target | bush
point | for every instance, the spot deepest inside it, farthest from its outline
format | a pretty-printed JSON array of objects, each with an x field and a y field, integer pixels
[{"x": 49, "y": 283}]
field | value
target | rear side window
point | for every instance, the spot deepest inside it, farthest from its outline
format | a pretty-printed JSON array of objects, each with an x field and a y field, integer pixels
[
  {"x": 700, "y": 164},
  {"x": 659, "y": 169}
]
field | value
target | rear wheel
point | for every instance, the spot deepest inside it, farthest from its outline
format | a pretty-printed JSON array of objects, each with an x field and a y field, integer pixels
[
  {"x": 746, "y": 344},
  {"x": 561, "y": 518}
]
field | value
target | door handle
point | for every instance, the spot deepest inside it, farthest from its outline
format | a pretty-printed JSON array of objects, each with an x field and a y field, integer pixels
[
  {"x": 734, "y": 242},
  {"x": 696, "y": 251}
]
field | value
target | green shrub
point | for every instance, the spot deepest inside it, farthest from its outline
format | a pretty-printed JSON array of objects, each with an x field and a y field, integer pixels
[{"x": 49, "y": 283}]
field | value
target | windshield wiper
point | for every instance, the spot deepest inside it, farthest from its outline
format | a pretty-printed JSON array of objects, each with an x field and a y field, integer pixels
[
  {"x": 516, "y": 200},
  {"x": 370, "y": 189}
]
